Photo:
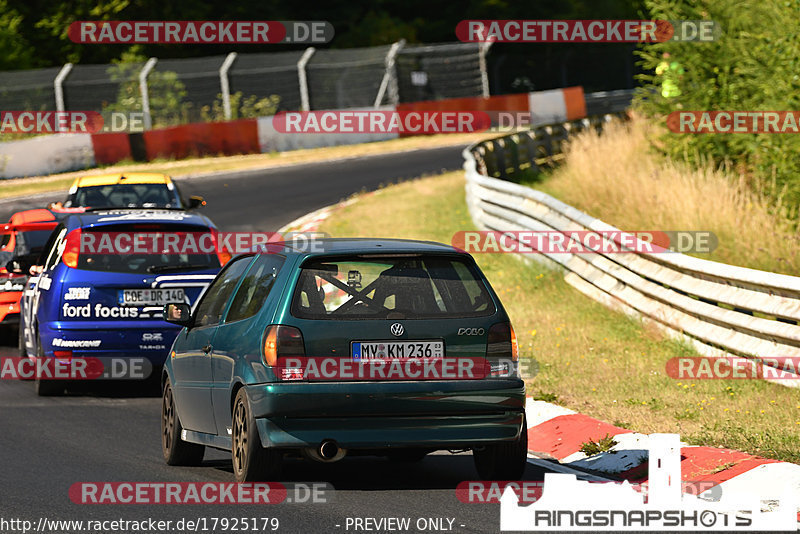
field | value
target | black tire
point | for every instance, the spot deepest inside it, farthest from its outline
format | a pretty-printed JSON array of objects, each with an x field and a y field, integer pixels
[
  {"x": 45, "y": 387},
  {"x": 503, "y": 461},
  {"x": 251, "y": 461},
  {"x": 23, "y": 351},
  {"x": 175, "y": 450}
]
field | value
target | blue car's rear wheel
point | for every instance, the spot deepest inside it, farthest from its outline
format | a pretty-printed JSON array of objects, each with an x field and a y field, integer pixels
[
  {"x": 503, "y": 461},
  {"x": 175, "y": 450},
  {"x": 46, "y": 387},
  {"x": 251, "y": 461}
]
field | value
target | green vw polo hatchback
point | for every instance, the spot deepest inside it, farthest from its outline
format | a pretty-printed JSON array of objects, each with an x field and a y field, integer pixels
[{"x": 348, "y": 347}]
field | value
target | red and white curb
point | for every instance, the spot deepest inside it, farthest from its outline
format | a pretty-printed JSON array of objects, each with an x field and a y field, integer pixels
[{"x": 557, "y": 433}]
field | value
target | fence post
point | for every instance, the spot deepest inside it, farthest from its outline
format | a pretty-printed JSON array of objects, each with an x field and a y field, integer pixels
[
  {"x": 151, "y": 63},
  {"x": 389, "y": 81},
  {"x": 305, "y": 104},
  {"x": 483, "y": 49},
  {"x": 58, "y": 86},
  {"x": 225, "y": 86}
]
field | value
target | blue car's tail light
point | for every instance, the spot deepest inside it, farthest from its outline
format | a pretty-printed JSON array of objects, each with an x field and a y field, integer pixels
[
  {"x": 72, "y": 248},
  {"x": 282, "y": 341}
]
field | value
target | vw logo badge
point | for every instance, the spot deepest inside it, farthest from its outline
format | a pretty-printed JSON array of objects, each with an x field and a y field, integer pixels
[{"x": 397, "y": 329}]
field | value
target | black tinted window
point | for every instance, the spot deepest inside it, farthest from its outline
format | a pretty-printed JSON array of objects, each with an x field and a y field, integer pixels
[
  {"x": 124, "y": 195},
  {"x": 419, "y": 286},
  {"x": 255, "y": 287},
  {"x": 213, "y": 304},
  {"x": 102, "y": 244}
]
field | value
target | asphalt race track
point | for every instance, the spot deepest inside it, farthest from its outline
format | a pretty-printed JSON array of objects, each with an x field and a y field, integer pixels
[{"x": 111, "y": 432}]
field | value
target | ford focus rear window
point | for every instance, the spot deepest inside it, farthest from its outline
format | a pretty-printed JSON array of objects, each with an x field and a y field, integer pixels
[
  {"x": 390, "y": 287},
  {"x": 145, "y": 249}
]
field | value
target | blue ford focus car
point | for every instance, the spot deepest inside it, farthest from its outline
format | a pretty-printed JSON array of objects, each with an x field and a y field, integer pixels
[
  {"x": 366, "y": 347},
  {"x": 98, "y": 296}
]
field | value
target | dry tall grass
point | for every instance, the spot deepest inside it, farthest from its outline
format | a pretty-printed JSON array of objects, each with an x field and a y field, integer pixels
[{"x": 618, "y": 178}]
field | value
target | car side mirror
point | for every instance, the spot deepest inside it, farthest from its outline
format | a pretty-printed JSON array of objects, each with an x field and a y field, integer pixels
[
  {"x": 180, "y": 314},
  {"x": 196, "y": 202},
  {"x": 17, "y": 266}
]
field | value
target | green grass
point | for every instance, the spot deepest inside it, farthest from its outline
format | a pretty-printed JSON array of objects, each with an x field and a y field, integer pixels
[{"x": 591, "y": 359}]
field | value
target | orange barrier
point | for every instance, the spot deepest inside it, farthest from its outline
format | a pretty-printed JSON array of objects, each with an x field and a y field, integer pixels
[
  {"x": 203, "y": 139},
  {"x": 110, "y": 148}
]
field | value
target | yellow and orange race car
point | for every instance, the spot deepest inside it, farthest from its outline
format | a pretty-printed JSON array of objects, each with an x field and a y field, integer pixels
[
  {"x": 23, "y": 237},
  {"x": 127, "y": 190}
]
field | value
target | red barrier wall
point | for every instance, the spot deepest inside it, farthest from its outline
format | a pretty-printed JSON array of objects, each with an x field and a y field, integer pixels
[
  {"x": 203, "y": 139},
  {"x": 111, "y": 147}
]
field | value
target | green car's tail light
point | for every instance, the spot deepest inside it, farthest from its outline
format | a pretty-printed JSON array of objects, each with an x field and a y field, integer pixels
[
  {"x": 282, "y": 341},
  {"x": 502, "y": 350},
  {"x": 72, "y": 248}
]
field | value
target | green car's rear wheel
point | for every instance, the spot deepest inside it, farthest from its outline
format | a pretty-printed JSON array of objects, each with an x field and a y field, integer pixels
[
  {"x": 503, "y": 461},
  {"x": 251, "y": 461}
]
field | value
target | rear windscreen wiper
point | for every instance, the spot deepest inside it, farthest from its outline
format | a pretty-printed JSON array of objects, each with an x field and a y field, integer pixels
[{"x": 182, "y": 267}]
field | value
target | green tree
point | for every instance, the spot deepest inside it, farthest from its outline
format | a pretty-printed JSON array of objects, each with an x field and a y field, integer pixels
[
  {"x": 17, "y": 52},
  {"x": 753, "y": 65},
  {"x": 165, "y": 91}
]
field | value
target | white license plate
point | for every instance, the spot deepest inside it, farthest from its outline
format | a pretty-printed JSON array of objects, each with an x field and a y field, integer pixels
[
  {"x": 151, "y": 297},
  {"x": 382, "y": 350}
]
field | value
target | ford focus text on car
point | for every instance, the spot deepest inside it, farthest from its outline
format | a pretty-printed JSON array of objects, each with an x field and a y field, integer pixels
[
  {"x": 102, "y": 284},
  {"x": 369, "y": 347}
]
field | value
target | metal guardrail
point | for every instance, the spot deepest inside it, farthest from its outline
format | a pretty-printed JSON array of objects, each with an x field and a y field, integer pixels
[{"x": 720, "y": 309}]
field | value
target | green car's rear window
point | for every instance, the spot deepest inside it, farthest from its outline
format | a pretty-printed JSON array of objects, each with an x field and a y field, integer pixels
[{"x": 410, "y": 286}]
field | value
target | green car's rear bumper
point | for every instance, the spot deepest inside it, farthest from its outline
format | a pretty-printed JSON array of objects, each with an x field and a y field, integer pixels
[{"x": 366, "y": 415}]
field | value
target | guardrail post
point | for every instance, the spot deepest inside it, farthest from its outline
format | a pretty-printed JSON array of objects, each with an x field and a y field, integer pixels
[
  {"x": 483, "y": 49},
  {"x": 58, "y": 86},
  {"x": 224, "y": 85},
  {"x": 305, "y": 104},
  {"x": 145, "y": 72},
  {"x": 389, "y": 80},
  {"x": 499, "y": 157}
]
